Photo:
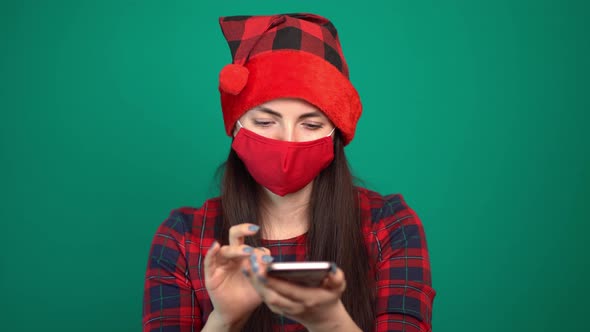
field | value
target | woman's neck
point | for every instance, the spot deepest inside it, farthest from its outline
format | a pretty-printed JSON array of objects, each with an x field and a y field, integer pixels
[{"x": 285, "y": 216}]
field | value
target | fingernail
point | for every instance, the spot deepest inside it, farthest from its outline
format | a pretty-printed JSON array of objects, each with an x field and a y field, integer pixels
[
  {"x": 267, "y": 259},
  {"x": 254, "y": 263},
  {"x": 213, "y": 244},
  {"x": 262, "y": 279},
  {"x": 333, "y": 268},
  {"x": 253, "y": 228},
  {"x": 246, "y": 273},
  {"x": 248, "y": 250}
]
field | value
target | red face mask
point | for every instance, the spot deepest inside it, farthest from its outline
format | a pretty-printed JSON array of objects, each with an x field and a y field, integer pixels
[{"x": 280, "y": 166}]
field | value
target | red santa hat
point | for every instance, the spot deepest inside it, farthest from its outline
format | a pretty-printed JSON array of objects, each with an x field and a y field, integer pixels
[{"x": 287, "y": 56}]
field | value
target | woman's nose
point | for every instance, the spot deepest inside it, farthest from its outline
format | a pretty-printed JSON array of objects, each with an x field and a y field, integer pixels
[{"x": 288, "y": 134}]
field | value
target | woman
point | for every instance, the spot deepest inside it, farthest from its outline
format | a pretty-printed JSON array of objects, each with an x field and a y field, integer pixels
[{"x": 287, "y": 195}]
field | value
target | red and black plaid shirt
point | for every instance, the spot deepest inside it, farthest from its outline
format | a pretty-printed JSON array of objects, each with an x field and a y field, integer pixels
[{"x": 175, "y": 297}]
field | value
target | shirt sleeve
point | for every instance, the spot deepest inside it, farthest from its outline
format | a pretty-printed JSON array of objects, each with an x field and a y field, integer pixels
[
  {"x": 404, "y": 293},
  {"x": 169, "y": 302}
]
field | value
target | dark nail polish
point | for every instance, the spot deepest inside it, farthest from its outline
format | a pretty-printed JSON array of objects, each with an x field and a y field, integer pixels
[
  {"x": 262, "y": 279},
  {"x": 333, "y": 268},
  {"x": 248, "y": 250},
  {"x": 253, "y": 228},
  {"x": 267, "y": 259}
]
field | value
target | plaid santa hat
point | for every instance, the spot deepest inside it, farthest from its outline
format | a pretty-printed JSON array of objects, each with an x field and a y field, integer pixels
[{"x": 287, "y": 56}]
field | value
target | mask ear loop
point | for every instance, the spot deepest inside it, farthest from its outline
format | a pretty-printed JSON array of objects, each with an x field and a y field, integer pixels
[
  {"x": 239, "y": 124},
  {"x": 330, "y": 134}
]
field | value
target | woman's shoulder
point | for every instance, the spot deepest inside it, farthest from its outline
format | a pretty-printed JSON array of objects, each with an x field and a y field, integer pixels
[
  {"x": 381, "y": 211},
  {"x": 191, "y": 223}
]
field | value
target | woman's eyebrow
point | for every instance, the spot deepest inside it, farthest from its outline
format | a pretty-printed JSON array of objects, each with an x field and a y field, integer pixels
[
  {"x": 310, "y": 115},
  {"x": 269, "y": 111}
]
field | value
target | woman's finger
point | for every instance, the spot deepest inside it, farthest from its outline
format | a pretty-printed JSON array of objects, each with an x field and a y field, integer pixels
[
  {"x": 258, "y": 262},
  {"x": 335, "y": 280},
  {"x": 280, "y": 304},
  {"x": 211, "y": 257},
  {"x": 232, "y": 252},
  {"x": 275, "y": 301},
  {"x": 293, "y": 291},
  {"x": 238, "y": 232},
  {"x": 264, "y": 250}
]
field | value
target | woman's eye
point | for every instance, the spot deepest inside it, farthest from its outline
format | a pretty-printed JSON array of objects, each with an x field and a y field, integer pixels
[
  {"x": 313, "y": 126},
  {"x": 262, "y": 123}
]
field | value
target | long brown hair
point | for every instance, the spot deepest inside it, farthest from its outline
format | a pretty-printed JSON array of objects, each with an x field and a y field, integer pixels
[{"x": 334, "y": 233}]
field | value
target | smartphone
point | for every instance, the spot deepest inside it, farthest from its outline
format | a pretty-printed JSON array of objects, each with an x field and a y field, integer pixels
[{"x": 308, "y": 274}]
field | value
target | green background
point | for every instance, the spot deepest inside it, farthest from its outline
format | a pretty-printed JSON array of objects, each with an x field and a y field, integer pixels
[{"x": 476, "y": 111}]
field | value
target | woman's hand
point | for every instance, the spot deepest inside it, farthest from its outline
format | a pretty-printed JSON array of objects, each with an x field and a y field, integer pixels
[
  {"x": 231, "y": 293},
  {"x": 317, "y": 308}
]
